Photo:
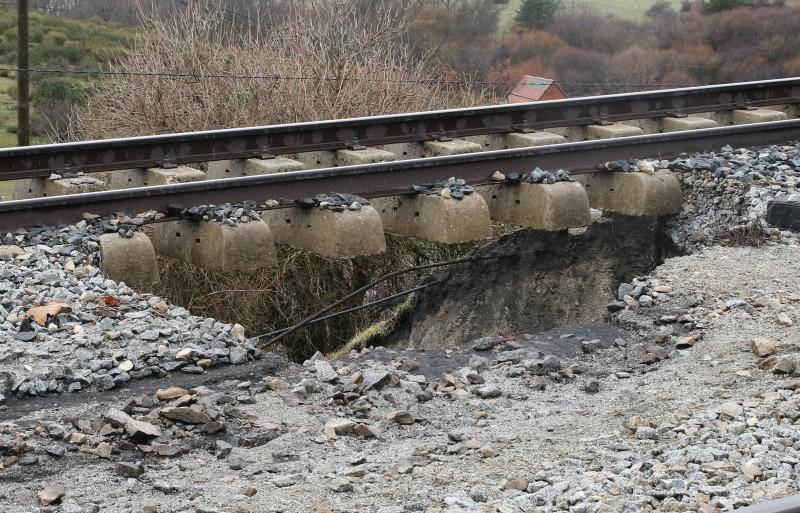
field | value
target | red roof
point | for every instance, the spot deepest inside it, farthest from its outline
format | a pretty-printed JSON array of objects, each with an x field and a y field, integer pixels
[{"x": 534, "y": 89}]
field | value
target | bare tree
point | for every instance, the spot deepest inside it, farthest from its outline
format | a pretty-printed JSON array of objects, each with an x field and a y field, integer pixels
[{"x": 325, "y": 60}]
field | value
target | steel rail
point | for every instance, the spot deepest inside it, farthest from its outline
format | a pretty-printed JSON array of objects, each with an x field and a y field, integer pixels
[
  {"x": 789, "y": 504},
  {"x": 390, "y": 178},
  {"x": 187, "y": 148}
]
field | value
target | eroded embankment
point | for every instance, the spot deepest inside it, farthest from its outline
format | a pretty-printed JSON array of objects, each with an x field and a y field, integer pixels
[{"x": 534, "y": 282}]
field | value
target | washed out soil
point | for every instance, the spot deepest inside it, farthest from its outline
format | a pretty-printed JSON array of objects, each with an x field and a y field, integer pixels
[{"x": 531, "y": 281}]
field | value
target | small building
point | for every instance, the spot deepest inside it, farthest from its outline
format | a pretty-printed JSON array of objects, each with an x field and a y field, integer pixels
[{"x": 535, "y": 89}]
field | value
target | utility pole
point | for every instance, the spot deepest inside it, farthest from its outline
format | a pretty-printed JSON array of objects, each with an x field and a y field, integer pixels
[{"x": 23, "y": 94}]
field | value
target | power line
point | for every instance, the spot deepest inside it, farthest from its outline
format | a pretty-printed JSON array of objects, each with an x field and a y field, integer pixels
[
  {"x": 351, "y": 310},
  {"x": 319, "y": 78}
]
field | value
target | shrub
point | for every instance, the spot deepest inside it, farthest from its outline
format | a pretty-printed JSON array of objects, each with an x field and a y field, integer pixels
[
  {"x": 585, "y": 29},
  {"x": 56, "y": 89},
  {"x": 661, "y": 9},
  {"x": 791, "y": 68},
  {"x": 637, "y": 65},
  {"x": 536, "y": 13},
  {"x": 57, "y": 38},
  {"x": 723, "y": 5},
  {"x": 328, "y": 60},
  {"x": 580, "y": 71},
  {"x": 525, "y": 45}
]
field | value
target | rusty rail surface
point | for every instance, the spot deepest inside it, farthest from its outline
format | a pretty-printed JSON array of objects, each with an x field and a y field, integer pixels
[
  {"x": 265, "y": 141},
  {"x": 789, "y": 504},
  {"x": 386, "y": 179}
]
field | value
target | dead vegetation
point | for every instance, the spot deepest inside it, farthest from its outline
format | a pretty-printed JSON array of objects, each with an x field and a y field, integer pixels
[
  {"x": 751, "y": 234},
  {"x": 300, "y": 286},
  {"x": 326, "y": 59}
]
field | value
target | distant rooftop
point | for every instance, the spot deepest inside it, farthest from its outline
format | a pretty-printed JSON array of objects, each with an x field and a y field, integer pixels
[{"x": 534, "y": 89}]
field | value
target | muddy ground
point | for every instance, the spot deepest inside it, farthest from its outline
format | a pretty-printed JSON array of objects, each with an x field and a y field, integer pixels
[{"x": 574, "y": 416}]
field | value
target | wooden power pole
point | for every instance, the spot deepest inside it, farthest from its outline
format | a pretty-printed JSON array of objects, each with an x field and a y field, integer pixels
[{"x": 23, "y": 93}]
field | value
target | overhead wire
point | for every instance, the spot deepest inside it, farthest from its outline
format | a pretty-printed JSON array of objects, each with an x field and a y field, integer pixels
[{"x": 226, "y": 76}]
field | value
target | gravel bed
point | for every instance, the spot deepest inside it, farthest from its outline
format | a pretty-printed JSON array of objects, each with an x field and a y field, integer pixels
[
  {"x": 730, "y": 190},
  {"x": 64, "y": 327},
  {"x": 645, "y": 421}
]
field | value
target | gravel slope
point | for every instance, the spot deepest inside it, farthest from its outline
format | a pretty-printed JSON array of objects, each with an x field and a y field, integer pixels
[{"x": 709, "y": 428}]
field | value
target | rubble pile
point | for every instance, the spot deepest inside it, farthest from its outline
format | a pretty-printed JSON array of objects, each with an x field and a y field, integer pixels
[
  {"x": 169, "y": 423},
  {"x": 731, "y": 190}
]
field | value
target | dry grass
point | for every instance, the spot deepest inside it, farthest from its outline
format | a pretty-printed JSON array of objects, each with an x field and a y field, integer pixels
[
  {"x": 328, "y": 59},
  {"x": 301, "y": 285},
  {"x": 751, "y": 234}
]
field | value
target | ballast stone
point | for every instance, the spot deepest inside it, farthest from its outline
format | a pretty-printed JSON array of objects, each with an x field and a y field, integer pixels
[
  {"x": 10, "y": 252},
  {"x": 109, "y": 334}
]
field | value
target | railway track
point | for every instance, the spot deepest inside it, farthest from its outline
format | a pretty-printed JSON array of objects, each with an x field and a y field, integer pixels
[
  {"x": 383, "y": 179},
  {"x": 394, "y": 178},
  {"x": 391, "y": 178},
  {"x": 789, "y": 504}
]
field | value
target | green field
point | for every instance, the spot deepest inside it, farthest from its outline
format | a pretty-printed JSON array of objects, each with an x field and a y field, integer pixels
[
  {"x": 8, "y": 122},
  {"x": 55, "y": 43},
  {"x": 630, "y": 9}
]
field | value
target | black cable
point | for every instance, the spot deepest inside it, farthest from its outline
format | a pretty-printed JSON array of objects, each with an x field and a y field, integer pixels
[
  {"x": 355, "y": 309},
  {"x": 282, "y": 333}
]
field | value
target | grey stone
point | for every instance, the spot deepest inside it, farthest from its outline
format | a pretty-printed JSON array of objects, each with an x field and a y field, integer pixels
[
  {"x": 238, "y": 356},
  {"x": 341, "y": 485},
  {"x": 324, "y": 371}
]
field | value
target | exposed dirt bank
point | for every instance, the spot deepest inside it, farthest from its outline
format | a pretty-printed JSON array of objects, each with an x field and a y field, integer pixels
[{"x": 537, "y": 281}]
